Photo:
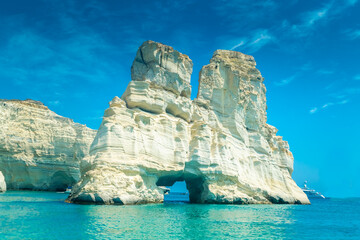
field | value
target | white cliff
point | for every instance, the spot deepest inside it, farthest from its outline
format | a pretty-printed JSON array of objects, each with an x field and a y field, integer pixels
[
  {"x": 2, "y": 183},
  {"x": 40, "y": 150},
  {"x": 219, "y": 143}
]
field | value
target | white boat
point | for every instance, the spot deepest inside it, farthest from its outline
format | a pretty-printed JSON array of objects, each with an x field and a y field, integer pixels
[
  {"x": 311, "y": 193},
  {"x": 165, "y": 189},
  {"x": 68, "y": 190}
]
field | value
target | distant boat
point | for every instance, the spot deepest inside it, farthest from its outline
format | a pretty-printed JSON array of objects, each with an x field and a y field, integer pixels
[
  {"x": 68, "y": 190},
  {"x": 311, "y": 193},
  {"x": 165, "y": 189},
  {"x": 180, "y": 193}
]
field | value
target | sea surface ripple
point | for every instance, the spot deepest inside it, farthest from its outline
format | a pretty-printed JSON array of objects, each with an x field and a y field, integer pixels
[{"x": 45, "y": 215}]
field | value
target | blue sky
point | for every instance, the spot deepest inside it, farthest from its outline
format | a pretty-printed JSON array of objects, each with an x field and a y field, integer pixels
[{"x": 75, "y": 56}]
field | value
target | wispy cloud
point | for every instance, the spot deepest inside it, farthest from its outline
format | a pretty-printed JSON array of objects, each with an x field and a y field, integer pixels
[
  {"x": 331, "y": 85},
  {"x": 55, "y": 62},
  {"x": 238, "y": 16},
  {"x": 259, "y": 39},
  {"x": 43, "y": 62},
  {"x": 286, "y": 32},
  {"x": 286, "y": 81},
  {"x": 351, "y": 2},
  {"x": 352, "y": 34},
  {"x": 340, "y": 97},
  {"x": 344, "y": 101},
  {"x": 344, "y": 95},
  {"x": 328, "y": 105},
  {"x": 300, "y": 71},
  {"x": 310, "y": 20},
  {"x": 241, "y": 43},
  {"x": 313, "y": 110}
]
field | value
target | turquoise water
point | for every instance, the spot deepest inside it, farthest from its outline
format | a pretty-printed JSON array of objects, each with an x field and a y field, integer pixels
[{"x": 45, "y": 215}]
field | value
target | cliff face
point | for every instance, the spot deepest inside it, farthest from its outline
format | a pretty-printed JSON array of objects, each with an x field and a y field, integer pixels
[
  {"x": 40, "y": 150},
  {"x": 219, "y": 143},
  {"x": 2, "y": 183}
]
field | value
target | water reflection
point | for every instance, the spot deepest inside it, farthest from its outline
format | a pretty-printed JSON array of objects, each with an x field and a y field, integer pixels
[{"x": 188, "y": 220}]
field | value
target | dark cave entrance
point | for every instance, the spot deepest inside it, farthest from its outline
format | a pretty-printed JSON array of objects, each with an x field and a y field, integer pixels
[
  {"x": 60, "y": 181},
  {"x": 197, "y": 188}
]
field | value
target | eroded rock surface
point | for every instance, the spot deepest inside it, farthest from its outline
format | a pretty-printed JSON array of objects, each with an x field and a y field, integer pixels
[
  {"x": 40, "y": 150},
  {"x": 219, "y": 143},
  {"x": 2, "y": 183}
]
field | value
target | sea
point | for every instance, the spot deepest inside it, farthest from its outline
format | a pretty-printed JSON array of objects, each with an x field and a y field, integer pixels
[{"x": 45, "y": 215}]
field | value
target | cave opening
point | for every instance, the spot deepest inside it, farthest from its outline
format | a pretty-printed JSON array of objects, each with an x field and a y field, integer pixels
[
  {"x": 174, "y": 187},
  {"x": 197, "y": 188},
  {"x": 60, "y": 181},
  {"x": 189, "y": 189},
  {"x": 177, "y": 193}
]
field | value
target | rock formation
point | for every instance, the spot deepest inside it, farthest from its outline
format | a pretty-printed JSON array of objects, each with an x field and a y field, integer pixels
[
  {"x": 2, "y": 183},
  {"x": 219, "y": 143},
  {"x": 40, "y": 150}
]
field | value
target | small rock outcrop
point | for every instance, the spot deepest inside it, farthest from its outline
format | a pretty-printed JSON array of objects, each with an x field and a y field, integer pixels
[
  {"x": 2, "y": 183},
  {"x": 219, "y": 143},
  {"x": 40, "y": 150}
]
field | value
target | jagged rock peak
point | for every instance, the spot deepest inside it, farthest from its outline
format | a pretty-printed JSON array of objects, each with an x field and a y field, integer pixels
[
  {"x": 238, "y": 56},
  {"x": 160, "y": 81},
  {"x": 163, "y": 66},
  {"x": 233, "y": 87}
]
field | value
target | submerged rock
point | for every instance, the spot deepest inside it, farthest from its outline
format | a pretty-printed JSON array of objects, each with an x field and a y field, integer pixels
[
  {"x": 219, "y": 143},
  {"x": 40, "y": 150},
  {"x": 2, "y": 183}
]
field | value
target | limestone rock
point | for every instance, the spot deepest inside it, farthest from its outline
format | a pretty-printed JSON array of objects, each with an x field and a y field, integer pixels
[
  {"x": 2, "y": 183},
  {"x": 160, "y": 81},
  {"x": 40, "y": 150},
  {"x": 163, "y": 66},
  {"x": 219, "y": 143},
  {"x": 237, "y": 154}
]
